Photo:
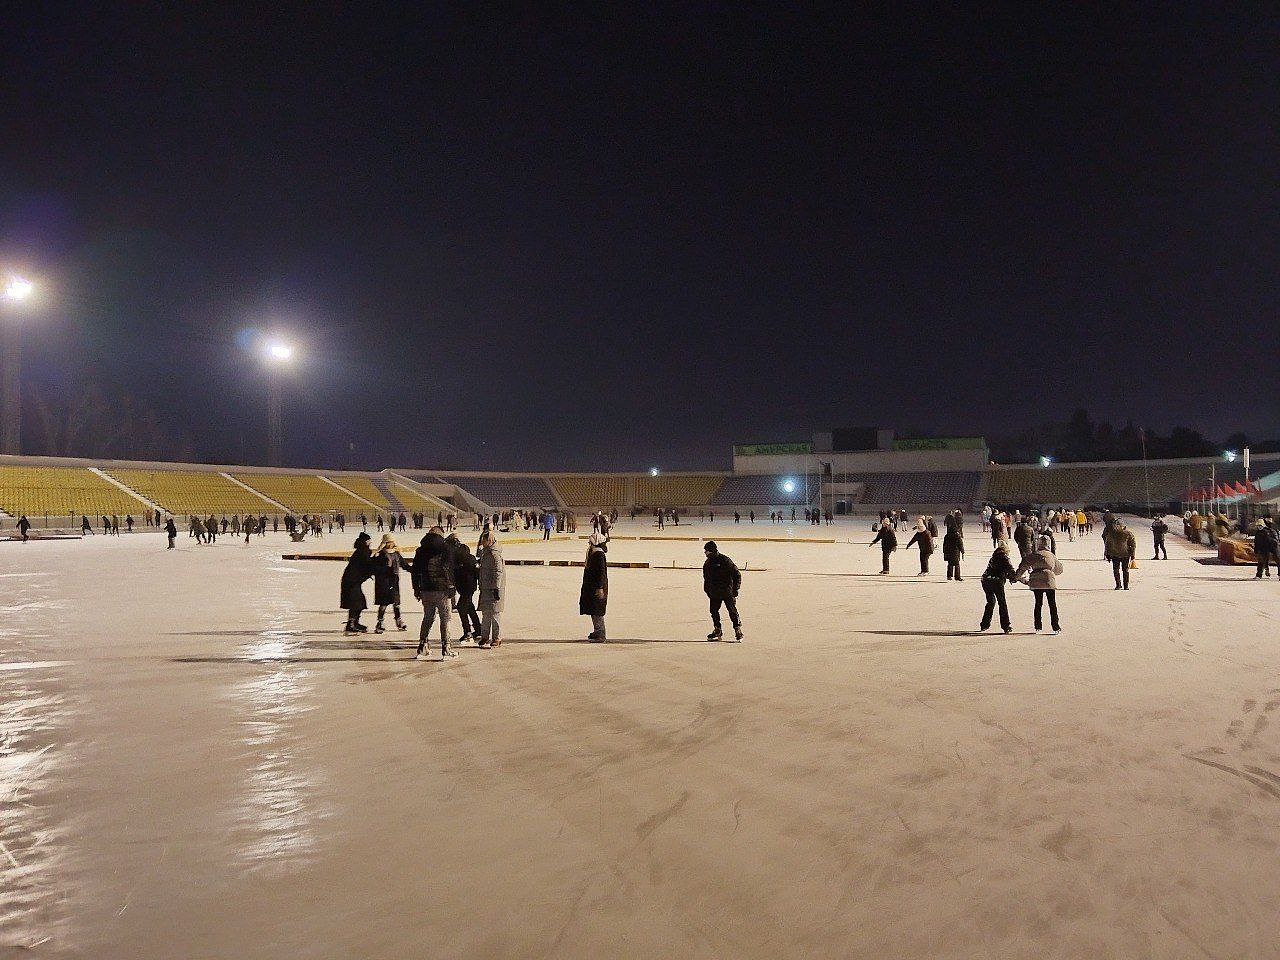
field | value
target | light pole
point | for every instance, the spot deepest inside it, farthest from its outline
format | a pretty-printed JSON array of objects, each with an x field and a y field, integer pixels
[
  {"x": 16, "y": 291},
  {"x": 277, "y": 354}
]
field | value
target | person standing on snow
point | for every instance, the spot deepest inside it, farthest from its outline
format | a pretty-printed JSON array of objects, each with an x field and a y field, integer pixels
[
  {"x": 493, "y": 589},
  {"x": 359, "y": 569},
  {"x": 172, "y": 530},
  {"x": 432, "y": 574},
  {"x": 594, "y": 598},
  {"x": 721, "y": 581},
  {"x": 888, "y": 541}
]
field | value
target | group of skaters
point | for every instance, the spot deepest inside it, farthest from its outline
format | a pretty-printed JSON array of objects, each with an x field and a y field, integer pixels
[
  {"x": 447, "y": 578},
  {"x": 1035, "y": 536},
  {"x": 110, "y": 525}
]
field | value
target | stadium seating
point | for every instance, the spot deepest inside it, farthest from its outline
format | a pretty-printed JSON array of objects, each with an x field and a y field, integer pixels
[
  {"x": 413, "y": 501},
  {"x": 676, "y": 491},
  {"x": 592, "y": 492},
  {"x": 1047, "y": 485},
  {"x": 193, "y": 492},
  {"x": 62, "y": 491},
  {"x": 366, "y": 489},
  {"x": 304, "y": 493},
  {"x": 953, "y": 487},
  {"x": 505, "y": 493},
  {"x": 766, "y": 491}
]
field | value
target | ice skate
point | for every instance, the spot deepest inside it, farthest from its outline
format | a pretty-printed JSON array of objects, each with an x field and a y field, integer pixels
[{"x": 714, "y": 635}]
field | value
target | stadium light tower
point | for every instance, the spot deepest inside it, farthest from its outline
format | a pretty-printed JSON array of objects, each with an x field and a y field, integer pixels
[
  {"x": 17, "y": 291},
  {"x": 277, "y": 353},
  {"x": 1046, "y": 461},
  {"x": 653, "y": 471}
]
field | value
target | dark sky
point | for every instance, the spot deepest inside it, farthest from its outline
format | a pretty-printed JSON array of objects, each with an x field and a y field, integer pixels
[{"x": 537, "y": 239}]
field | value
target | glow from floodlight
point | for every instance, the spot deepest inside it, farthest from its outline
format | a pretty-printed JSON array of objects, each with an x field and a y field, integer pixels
[
  {"x": 1046, "y": 461},
  {"x": 789, "y": 486},
  {"x": 1230, "y": 455},
  {"x": 653, "y": 471},
  {"x": 279, "y": 351},
  {"x": 18, "y": 289}
]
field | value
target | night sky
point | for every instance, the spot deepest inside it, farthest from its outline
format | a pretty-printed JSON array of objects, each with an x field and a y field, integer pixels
[{"x": 536, "y": 240}]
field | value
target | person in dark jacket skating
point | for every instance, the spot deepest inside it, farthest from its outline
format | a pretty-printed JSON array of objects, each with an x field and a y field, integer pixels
[
  {"x": 595, "y": 586},
  {"x": 465, "y": 578},
  {"x": 1158, "y": 530},
  {"x": 721, "y": 581},
  {"x": 888, "y": 541},
  {"x": 1024, "y": 537},
  {"x": 172, "y": 530},
  {"x": 23, "y": 526},
  {"x": 953, "y": 546},
  {"x": 925, "y": 540},
  {"x": 386, "y": 581},
  {"x": 1264, "y": 548},
  {"x": 359, "y": 569},
  {"x": 1119, "y": 547},
  {"x": 999, "y": 572},
  {"x": 432, "y": 576}
]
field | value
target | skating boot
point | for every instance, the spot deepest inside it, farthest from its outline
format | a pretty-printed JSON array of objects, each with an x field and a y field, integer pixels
[
  {"x": 737, "y": 634},
  {"x": 715, "y": 635},
  {"x": 401, "y": 625}
]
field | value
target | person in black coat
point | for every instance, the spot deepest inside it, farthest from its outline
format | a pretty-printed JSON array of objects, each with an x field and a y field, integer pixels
[
  {"x": 386, "y": 581},
  {"x": 595, "y": 586},
  {"x": 925, "y": 540},
  {"x": 172, "y": 530},
  {"x": 1023, "y": 536},
  {"x": 433, "y": 584},
  {"x": 23, "y": 526},
  {"x": 953, "y": 545},
  {"x": 721, "y": 581},
  {"x": 465, "y": 579},
  {"x": 1264, "y": 547},
  {"x": 888, "y": 541},
  {"x": 999, "y": 572},
  {"x": 359, "y": 569},
  {"x": 1158, "y": 530}
]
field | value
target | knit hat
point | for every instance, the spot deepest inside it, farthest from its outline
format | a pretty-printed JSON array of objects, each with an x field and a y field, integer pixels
[{"x": 710, "y": 546}]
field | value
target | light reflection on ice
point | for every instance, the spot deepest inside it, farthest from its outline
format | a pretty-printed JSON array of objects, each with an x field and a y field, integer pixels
[
  {"x": 277, "y": 816},
  {"x": 33, "y": 718}
]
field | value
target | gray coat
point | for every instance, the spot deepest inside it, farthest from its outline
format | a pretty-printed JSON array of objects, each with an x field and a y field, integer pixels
[
  {"x": 493, "y": 579},
  {"x": 1042, "y": 568}
]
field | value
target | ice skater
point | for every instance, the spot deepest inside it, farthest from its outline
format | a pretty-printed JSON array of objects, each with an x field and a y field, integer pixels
[
  {"x": 721, "y": 581},
  {"x": 172, "y": 530},
  {"x": 359, "y": 569},
  {"x": 465, "y": 580},
  {"x": 1040, "y": 570},
  {"x": 492, "y": 572},
  {"x": 999, "y": 572},
  {"x": 888, "y": 541},
  {"x": 23, "y": 526},
  {"x": 595, "y": 586},
  {"x": 1158, "y": 530},
  {"x": 953, "y": 545},
  {"x": 386, "y": 581},
  {"x": 432, "y": 574},
  {"x": 924, "y": 538},
  {"x": 1120, "y": 548}
]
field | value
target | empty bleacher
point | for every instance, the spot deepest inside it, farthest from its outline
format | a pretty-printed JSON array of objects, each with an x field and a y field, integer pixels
[
  {"x": 366, "y": 489},
  {"x": 1043, "y": 484},
  {"x": 62, "y": 492},
  {"x": 384, "y": 488},
  {"x": 958, "y": 487},
  {"x": 765, "y": 491},
  {"x": 593, "y": 492},
  {"x": 304, "y": 493},
  {"x": 187, "y": 492},
  {"x": 676, "y": 491},
  {"x": 414, "y": 501},
  {"x": 506, "y": 493}
]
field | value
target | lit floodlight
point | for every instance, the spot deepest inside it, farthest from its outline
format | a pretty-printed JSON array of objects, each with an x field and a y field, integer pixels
[
  {"x": 279, "y": 351},
  {"x": 789, "y": 486},
  {"x": 653, "y": 471},
  {"x": 18, "y": 289},
  {"x": 1046, "y": 461},
  {"x": 1230, "y": 455}
]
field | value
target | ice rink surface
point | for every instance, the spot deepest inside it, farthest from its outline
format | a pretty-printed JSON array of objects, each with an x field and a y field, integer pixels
[{"x": 196, "y": 763}]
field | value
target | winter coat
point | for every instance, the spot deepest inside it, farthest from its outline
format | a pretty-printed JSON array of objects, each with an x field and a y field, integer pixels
[
  {"x": 492, "y": 579},
  {"x": 1119, "y": 542},
  {"x": 1041, "y": 567},
  {"x": 1264, "y": 542},
  {"x": 1159, "y": 529},
  {"x": 386, "y": 577},
  {"x": 1022, "y": 535},
  {"x": 999, "y": 569},
  {"x": 953, "y": 546},
  {"x": 432, "y": 569},
  {"x": 465, "y": 575},
  {"x": 887, "y": 539},
  {"x": 932, "y": 527},
  {"x": 359, "y": 569},
  {"x": 721, "y": 578},
  {"x": 925, "y": 539},
  {"x": 595, "y": 576}
]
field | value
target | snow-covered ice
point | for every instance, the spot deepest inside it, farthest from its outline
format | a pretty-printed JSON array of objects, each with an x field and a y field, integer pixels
[{"x": 195, "y": 762}]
